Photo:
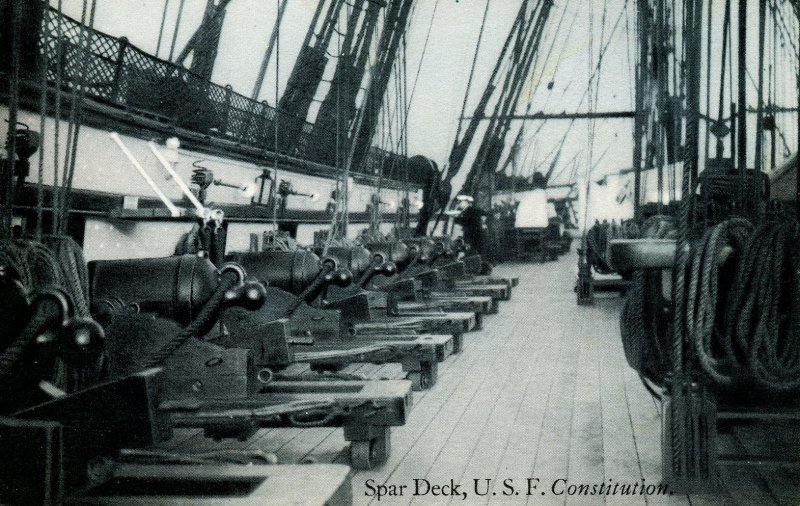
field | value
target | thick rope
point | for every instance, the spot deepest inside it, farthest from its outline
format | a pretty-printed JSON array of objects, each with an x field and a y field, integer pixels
[
  {"x": 33, "y": 261},
  {"x": 201, "y": 325},
  {"x": 644, "y": 325},
  {"x": 310, "y": 290},
  {"x": 762, "y": 337},
  {"x": 702, "y": 305},
  {"x": 74, "y": 273}
]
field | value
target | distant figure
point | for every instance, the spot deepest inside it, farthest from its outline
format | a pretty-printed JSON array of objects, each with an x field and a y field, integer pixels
[
  {"x": 435, "y": 192},
  {"x": 472, "y": 220}
]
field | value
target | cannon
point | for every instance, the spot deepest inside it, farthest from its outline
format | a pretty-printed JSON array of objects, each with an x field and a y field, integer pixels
[
  {"x": 439, "y": 281},
  {"x": 100, "y": 446},
  {"x": 380, "y": 316},
  {"x": 226, "y": 382},
  {"x": 453, "y": 273},
  {"x": 334, "y": 332}
]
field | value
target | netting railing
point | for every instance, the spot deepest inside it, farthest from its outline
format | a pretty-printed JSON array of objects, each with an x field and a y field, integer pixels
[{"x": 118, "y": 73}]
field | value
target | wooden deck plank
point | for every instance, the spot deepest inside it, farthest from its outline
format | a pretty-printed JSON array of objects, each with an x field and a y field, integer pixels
[
  {"x": 518, "y": 455},
  {"x": 300, "y": 443},
  {"x": 552, "y": 453},
  {"x": 620, "y": 457},
  {"x": 430, "y": 414},
  {"x": 480, "y": 437},
  {"x": 421, "y": 458},
  {"x": 586, "y": 457},
  {"x": 645, "y": 419}
]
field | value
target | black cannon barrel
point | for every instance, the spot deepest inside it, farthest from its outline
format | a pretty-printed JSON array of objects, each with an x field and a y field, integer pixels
[
  {"x": 356, "y": 259},
  {"x": 291, "y": 271},
  {"x": 427, "y": 248},
  {"x": 174, "y": 287},
  {"x": 395, "y": 251}
]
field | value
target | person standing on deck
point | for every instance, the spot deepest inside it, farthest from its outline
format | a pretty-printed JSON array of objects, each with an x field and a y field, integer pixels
[
  {"x": 435, "y": 192},
  {"x": 473, "y": 223}
]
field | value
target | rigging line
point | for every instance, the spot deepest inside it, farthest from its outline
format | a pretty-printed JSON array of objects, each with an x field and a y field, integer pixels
[
  {"x": 161, "y": 29},
  {"x": 422, "y": 57},
  {"x": 57, "y": 106},
  {"x": 276, "y": 120},
  {"x": 549, "y": 51},
  {"x": 407, "y": 105},
  {"x": 590, "y": 132},
  {"x": 759, "y": 140},
  {"x": 597, "y": 67},
  {"x": 44, "y": 65},
  {"x": 531, "y": 93},
  {"x": 334, "y": 228},
  {"x": 725, "y": 27},
  {"x": 783, "y": 28},
  {"x": 523, "y": 56},
  {"x": 176, "y": 30},
  {"x": 600, "y": 56},
  {"x": 58, "y": 194},
  {"x": 569, "y": 163},
  {"x": 13, "y": 109},
  {"x": 407, "y": 110},
  {"x": 77, "y": 119},
  {"x": 262, "y": 71},
  {"x": 472, "y": 71},
  {"x": 461, "y": 145},
  {"x": 707, "y": 130},
  {"x": 628, "y": 46}
]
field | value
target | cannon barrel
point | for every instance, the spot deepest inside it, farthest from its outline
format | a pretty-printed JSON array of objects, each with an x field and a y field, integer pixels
[
  {"x": 172, "y": 287},
  {"x": 291, "y": 271},
  {"x": 356, "y": 259},
  {"x": 397, "y": 252}
]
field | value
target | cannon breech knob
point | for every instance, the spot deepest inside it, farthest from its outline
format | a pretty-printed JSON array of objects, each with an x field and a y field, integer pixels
[
  {"x": 81, "y": 341},
  {"x": 339, "y": 277},
  {"x": 387, "y": 269},
  {"x": 249, "y": 295}
]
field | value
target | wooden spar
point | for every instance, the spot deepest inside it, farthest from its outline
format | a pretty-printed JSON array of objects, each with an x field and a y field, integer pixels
[{"x": 558, "y": 115}]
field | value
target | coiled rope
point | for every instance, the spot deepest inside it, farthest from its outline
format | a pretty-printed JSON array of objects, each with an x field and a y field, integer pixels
[
  {"x": 644, "y": 323},
  {"x": 59, "y": 263},
  {"x": 702, "y": 297},
  {"x": 33, "y": 261},
  {"x": 762, "y": 337},
  {"x": 741, "y": 305}
]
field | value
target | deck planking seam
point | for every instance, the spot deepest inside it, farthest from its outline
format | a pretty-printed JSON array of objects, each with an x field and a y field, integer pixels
[
  {"x": 514, "y": 455},
  {"x": 427, "y": 411},
  {"x": 485, "y": 447}
]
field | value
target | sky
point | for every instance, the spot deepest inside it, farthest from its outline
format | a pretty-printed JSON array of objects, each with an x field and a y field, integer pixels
[{"x": 438, "y": 75}]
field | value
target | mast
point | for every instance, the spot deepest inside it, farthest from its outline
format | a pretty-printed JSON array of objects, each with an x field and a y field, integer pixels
[{"x": 204, "y": 43}]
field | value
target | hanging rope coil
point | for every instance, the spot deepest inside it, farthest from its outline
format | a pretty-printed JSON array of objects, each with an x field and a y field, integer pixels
[
  {"x": 720, "y": 245},
  {"x": 645, "y": 320},
  {"x": 741, "y": 305},
  {"x": 69, "y": 259},
  {"x": 762, "y": 338},
  {"x": 34, "y": 263}
]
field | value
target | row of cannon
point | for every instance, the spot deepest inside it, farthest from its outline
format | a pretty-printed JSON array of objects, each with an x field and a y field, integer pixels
[{"x": 192, "y": 344}]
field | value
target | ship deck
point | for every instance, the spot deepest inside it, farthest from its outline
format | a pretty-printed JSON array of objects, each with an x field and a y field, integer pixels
[{"x": 543, "y": 391}]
